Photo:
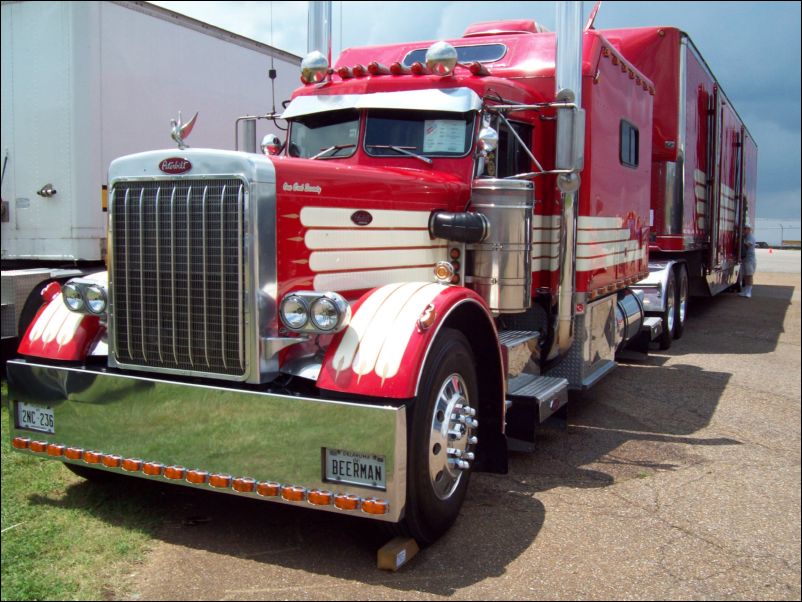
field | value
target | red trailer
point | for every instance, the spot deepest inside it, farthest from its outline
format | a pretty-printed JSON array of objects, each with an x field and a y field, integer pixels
[
  {"x": 455, "y": 234},
  {"x": 704, "y": 172}
]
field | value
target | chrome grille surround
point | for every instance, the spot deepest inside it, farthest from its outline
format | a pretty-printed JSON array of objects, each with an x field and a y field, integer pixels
[{"x": 191, "y": 269}]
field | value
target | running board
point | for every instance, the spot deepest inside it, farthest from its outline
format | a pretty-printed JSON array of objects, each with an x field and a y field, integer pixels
[{"x": 531, "y": 400}]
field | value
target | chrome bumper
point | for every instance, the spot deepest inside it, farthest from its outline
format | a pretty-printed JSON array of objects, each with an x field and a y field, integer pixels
[{"x": 275, "y": 440}]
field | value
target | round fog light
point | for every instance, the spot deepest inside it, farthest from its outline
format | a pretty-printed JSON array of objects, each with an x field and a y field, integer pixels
[
  {"x": 95, "y": 299},
  {"x": 293, "y": 312},
  {"x": 72, "y": 297},
  {"x": 325, "y": 314}
]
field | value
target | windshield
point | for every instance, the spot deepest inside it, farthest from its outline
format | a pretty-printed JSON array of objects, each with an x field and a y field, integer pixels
[
  {"x": 418, "y": 133},
  {"x": 325, "y": 135}
]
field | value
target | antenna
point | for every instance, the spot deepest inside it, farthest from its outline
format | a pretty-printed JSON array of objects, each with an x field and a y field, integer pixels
[{"x": 272, "y": 72}]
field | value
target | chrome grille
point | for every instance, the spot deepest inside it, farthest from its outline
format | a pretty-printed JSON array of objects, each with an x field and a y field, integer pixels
[{"x": 177, "y": 275}]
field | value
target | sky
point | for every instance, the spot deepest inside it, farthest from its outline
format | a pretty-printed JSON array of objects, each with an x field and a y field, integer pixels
[{"x": 752, "y": 47}]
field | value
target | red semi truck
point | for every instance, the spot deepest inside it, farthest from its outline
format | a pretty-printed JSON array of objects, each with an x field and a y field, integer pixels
[{"x": 454, "y": 235}]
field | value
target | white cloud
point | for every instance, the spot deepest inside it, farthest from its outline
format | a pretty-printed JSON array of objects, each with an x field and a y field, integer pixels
[{"x": 754, "y": 48}]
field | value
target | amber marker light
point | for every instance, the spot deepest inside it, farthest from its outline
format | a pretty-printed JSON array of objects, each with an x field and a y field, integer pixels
[
  {"x": 291, "y": 493},
  {"x": 54, "y": 449},
  {"x": 38, "y": 446},
  {"x": 443, "y": 271},
  {"x": 175, "y": 473},
  {"x": 221, "y": 481},
  {"x": 20, "y": 442},
  {"x": 320, "y": 498},
  {"x": 93, "y": 457},
  {"x": 268, "y": 489},
  {"x": 132, "y": 465},
  {"x": 244, "y": 485},
  {"x": 74, "y": 453},
  {"x": 346, "y": 501},
  {"x": 153, "y": 469},
  {"x": 112, "y": 461},
  {"x": 374, "y": 506},
  {"x": 197, "y": 477}
]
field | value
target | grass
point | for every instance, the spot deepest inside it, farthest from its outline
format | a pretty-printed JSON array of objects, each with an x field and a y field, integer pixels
[{"x": 64, "y": 538}]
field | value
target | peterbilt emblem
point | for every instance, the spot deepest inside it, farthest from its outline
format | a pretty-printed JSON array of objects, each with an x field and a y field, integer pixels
[
  {"x": 182, "y": 130},
  {"x": 175, "y": 165},
  {"x": 361, "y": 218}
]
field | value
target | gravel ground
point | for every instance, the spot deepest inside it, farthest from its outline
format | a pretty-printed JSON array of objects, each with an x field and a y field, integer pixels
[{"x": 677, "y": 478}]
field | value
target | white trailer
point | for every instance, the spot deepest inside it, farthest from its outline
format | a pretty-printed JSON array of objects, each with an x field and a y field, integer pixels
[{"x": 86, "y": 82}]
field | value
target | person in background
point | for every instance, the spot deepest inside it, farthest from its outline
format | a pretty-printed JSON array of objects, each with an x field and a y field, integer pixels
[{"x": 749, "y": 262}]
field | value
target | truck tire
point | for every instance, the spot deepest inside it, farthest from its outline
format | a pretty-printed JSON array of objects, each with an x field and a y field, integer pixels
[
  {"x": 668, "y": 317},
  {"x": 682, "y": 301},
  {"x": 442, "y": 420}
]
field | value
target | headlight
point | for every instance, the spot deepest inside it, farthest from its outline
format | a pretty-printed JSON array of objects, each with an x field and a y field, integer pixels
[
  {"x": 95, "y": 299},
  {"x": 294, "y": 312},
  {"x": 325, "y": 314},
  {"x": 309, "y": 311},
  {"x": 72, "y": 297}
]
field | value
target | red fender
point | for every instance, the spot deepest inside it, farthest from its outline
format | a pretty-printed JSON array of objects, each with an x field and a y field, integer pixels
[
  {"x": 382, "y": 351},
  {"x": 58, "y": 333}
]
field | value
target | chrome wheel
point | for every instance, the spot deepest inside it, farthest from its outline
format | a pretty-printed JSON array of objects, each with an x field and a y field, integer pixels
[
  {"x": 451, "y": 437},
  {"x": 669, "y": 315},
  {"x": 683, "y": 292},
  {"x": 671, "y": 300}
]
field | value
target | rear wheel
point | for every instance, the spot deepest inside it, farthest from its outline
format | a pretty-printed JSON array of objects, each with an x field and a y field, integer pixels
[
  {"x": 443, "y": 439},
  {"x": 682, "y": 301},
  {"x": 669, "y": 314}
]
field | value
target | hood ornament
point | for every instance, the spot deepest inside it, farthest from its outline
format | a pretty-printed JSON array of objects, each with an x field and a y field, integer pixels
[{"x": 182, "y": 130}]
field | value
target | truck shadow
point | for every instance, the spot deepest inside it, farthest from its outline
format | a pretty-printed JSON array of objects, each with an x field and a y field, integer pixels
[
  {"x": 712, "y": 322},
  {"x": 639, "y": 421}
]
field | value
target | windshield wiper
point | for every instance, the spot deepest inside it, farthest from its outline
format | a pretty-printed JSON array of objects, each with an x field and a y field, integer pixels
[
  {"x": 335, "y": 148},
  {"x": 403, "y": 151}
]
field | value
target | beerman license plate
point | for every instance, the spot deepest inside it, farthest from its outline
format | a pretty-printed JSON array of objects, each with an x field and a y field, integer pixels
[
  {"x": 354, "y": 468},
  {"x": 35, "y": 418}
]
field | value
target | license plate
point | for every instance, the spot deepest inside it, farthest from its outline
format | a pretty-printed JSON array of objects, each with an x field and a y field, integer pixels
[
  {"x": 35, "y": 418},
  {"x": 354, "y": 468}
]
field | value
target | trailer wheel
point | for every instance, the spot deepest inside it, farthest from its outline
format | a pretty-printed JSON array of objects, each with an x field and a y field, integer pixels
[
  {"x": 443, "y": 439},
  {"x": 669, "y": 314},
  {"x": 682, "y": 301}
]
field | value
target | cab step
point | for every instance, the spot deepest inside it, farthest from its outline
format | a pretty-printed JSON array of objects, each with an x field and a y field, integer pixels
[{"x": 531, "y": 401}]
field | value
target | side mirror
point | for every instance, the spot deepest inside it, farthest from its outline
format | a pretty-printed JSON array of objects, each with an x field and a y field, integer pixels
[
  {"x": 488, "y": 139},
  {"x": 271, "y": 145}
]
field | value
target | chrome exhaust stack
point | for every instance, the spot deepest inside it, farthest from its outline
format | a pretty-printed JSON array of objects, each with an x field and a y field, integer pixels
[{"x": 570, "y": 160}]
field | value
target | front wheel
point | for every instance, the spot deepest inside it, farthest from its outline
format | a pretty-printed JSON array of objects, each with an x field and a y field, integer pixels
[{"x": 443, "y": 439}]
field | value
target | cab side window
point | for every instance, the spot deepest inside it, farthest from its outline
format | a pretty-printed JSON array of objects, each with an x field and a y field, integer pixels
[{"x": 510, "y": 158}]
